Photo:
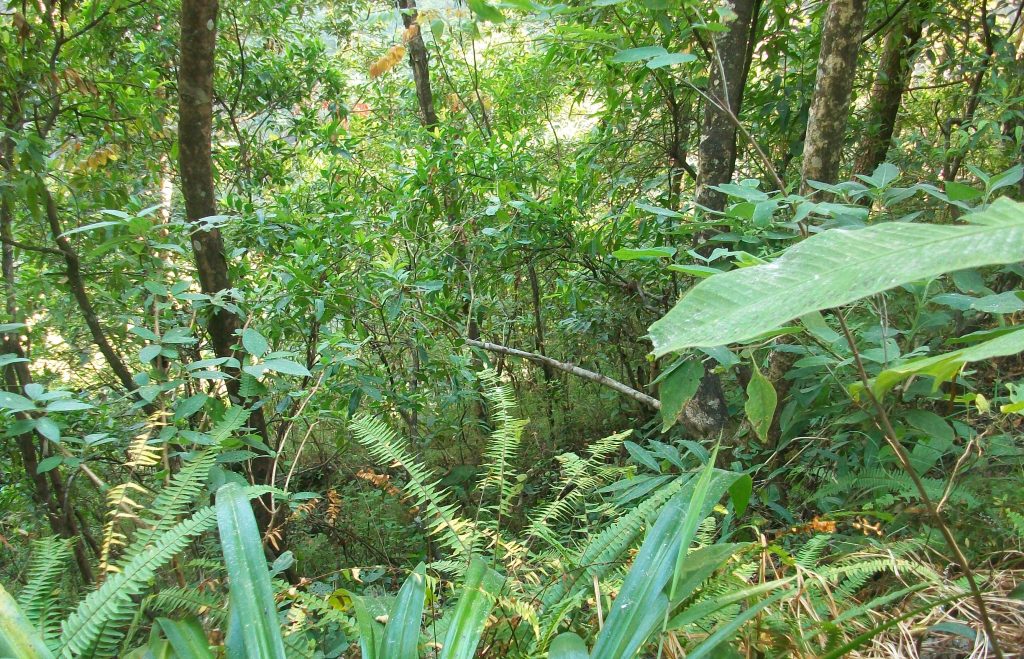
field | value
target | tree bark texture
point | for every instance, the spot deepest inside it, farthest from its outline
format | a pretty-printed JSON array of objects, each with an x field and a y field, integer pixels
[
  {"x": 705, "y": 414},
  {"x": 887, "y": 91},
  {"x": 717, "y": 149},
  {"x": 830, "y": 104},
  {"x": 195, "y": 162},
  {"x": 419, "y": 62}
]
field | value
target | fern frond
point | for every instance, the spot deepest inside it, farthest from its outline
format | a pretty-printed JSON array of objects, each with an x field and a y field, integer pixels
[
  {"x": 97, "y": 624},
  {"x": 121, "y": 507},
  {"x": 385, "y": 446},
  {"x": 809, "y": 555},
  {"x": 503, "y": 445},
  {"x": 39, "y": 600},
  {"x": 608, "y": 548},
  {"x": 897, "y": 483},
  {"x": 141, "y": 453},
  {"x": 606, "y": 446},
  {"x": 173, "y": 501},
  {"x": 187, "y": 601}
]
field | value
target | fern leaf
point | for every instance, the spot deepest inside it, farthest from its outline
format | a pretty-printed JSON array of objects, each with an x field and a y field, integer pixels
[
  {"x": 503, "y": 445},
  {"x": 386, "y": 447},
  {"x": 97, "y": 623},
  {"x": 39, "y": 598},
  {"x": 173, "y": 501}
]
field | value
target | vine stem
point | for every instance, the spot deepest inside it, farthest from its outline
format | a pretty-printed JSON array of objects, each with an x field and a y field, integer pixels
[{"x": 904, "y": 458}]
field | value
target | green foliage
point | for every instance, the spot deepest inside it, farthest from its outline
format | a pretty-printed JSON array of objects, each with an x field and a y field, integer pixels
[
  {"x": 560, "y": 204},
  {"x": 40, "y": 599},
  {"x": 833, "y": 268},
  {"x": 253, "y": 628},
  {"x": 18, "y": 637},
  {"x": 97, "y": 624}
]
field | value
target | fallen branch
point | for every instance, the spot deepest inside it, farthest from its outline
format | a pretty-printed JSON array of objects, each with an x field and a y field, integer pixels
[{"x": 638, "y": 396}]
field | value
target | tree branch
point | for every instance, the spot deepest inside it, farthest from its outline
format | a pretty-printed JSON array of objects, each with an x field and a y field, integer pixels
[{"x": 572, "y": 369}]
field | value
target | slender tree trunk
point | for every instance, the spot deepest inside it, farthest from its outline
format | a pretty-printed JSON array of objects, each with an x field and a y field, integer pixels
[
  {"x": 538, "y": 322},
  {"x": 195, "y": 126},
  {"x": 717, "y": 149},
  {"x": 419, "y": 62},
  {"x": 887, "y": 92},
  {"x": 952, "y": 165},
  {"x": 59, "y": 511},
  {"x": 833, "y": 87},
  {"x": 707, "y": 412},
  {"x": 195, "y": 162},
  {"x": 77, "y": 285}
]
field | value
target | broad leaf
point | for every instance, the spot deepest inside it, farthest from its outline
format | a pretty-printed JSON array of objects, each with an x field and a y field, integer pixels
[
  {"x": 638, "y": 54},
  {"x": 402, "y": 633},
  {"x": 945, "y": 366},
  {"x": 249, "y": 590},
  {"x": 186, "y": 637},
  {"x": 254, "y": 343},
  {"x": 833, "y": 268},
  {"x": 478, "y": 598},
  {"x": 568, "y": 645},
  {"x": 760, "y": 405},
  {"x": 677, "y": 389},
  {"x": 628, "y": 254},
  {"x": 18, "y": 638}
]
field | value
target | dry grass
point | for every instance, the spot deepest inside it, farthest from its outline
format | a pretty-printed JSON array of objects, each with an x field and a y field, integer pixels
[{"x": 945, "y": 631}]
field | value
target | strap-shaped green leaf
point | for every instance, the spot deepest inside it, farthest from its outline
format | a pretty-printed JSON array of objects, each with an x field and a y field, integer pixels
[
  {"x": 402, "y": 633},
  {"x": 18, "y": 638},
  {"x": 186, "y": 637},
  {"x": 478, "y": 597},
  {"x": 660, "y": 572},
  {"x": 251, "y": 596},
  {"x": 833, "y": 268}
]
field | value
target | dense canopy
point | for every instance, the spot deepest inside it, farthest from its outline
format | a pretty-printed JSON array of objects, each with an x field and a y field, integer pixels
[{"x": 606, "y": 328}]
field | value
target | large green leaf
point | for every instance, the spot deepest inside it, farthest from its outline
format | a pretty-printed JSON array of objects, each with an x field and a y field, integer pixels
[
  {"x": 642, "y": 602},
  {"x": 186, "y": 638},
  {"x": 478, "y": 597},
  {"x": 370, "y": 631},
  {"x": 833, "y": 268},
  {"x": 18, "y": 638},
  {"x": 945, "y": 366},
  {"x": 402, "y": 633},
  {"x": 568, "y": 645},
  {"x": 250, "y": 593}
]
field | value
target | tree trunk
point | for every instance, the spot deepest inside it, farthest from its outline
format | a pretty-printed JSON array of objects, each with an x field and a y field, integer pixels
[
  {"x": 717, "y": 149},
  {"x": 830, "y": 105},
  {"x": 195, "y": 162},
  {"x": 77, "y": 285},
  {"x": 538, "y": 322},
  {"x": 706, "y": 414},
  {"x": 419, "y": 62},
  {"x": 195, "y": 125},
  {"x": 887, "y": 92},
  {"x": 59, "y": 511}
]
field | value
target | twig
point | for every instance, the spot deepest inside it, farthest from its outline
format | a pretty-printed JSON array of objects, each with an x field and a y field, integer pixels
[
  {"x": 904, "y": 458},
  {"x": 638, "y": 396}
]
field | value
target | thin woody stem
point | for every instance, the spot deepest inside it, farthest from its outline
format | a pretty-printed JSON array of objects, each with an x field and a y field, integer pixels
[{"x": 904, "y": 458}]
